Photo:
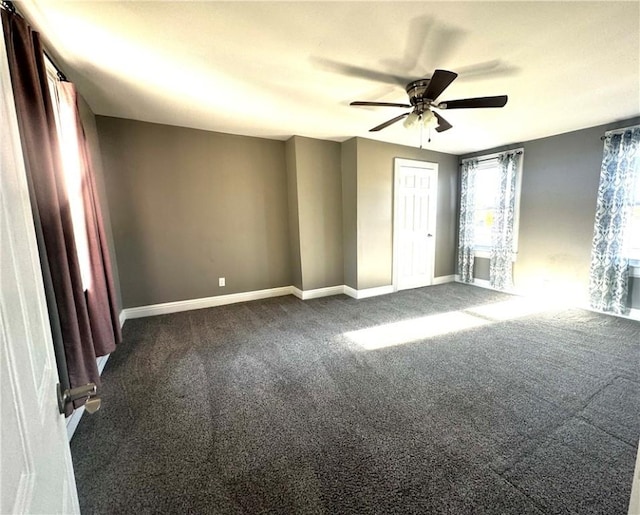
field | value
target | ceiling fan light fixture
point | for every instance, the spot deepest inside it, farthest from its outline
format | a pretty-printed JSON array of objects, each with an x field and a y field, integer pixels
[
  {"x": 411, "y": 120},
  {"x": 429, "y": 121}
]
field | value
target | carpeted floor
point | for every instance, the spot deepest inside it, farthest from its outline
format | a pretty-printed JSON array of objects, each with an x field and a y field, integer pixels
[{"x": 290, "y": 406}]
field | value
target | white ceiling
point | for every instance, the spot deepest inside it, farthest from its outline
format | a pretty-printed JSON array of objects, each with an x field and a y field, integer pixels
[{"x": 275, "y": 69}]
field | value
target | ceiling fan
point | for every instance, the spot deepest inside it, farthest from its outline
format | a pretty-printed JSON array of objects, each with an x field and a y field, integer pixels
[{"x": 423, "y": 94}]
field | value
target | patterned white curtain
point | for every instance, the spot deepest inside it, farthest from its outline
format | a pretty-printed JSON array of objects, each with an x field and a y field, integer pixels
[
  {"x": 467, "y": 212},
  {"x": 609, "y": 272},
  {"x": 501, "y": 257}
]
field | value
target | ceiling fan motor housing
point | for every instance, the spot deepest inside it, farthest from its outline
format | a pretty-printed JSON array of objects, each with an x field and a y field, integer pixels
[{"x": 416, "y": 91}]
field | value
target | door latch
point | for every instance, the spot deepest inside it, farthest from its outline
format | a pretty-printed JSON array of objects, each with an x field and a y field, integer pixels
[{"x": 89, "y": 391}]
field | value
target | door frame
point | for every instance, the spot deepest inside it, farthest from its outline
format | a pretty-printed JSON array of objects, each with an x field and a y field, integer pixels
[{"x": 398, "y": 164}]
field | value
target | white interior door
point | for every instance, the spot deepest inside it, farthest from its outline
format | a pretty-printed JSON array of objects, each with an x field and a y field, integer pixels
[
  {"x": 415, "y": 201},
  {"x": 36, "y": 469}
]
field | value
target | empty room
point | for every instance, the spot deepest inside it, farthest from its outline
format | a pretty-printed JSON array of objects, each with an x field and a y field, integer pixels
[{"x": 320, "y": 257}]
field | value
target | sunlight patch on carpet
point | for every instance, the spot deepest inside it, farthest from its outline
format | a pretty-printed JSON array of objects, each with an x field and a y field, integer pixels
[
  {"x": 416, "y": 329},
  {"x": 407, "y": 331},
  {"x": 510, "y": 309}
]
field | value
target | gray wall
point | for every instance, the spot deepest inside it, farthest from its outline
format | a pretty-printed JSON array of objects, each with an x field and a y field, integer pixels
[
  {"x": 349, "y": 162},
  {"x": 375, "y": 165},
  {"x": 91, "y": 133},
  {"x": 319, "y": 211},
  {"x": 189, "y": 206},
  {"x": 294, "y": 225},
  {"x": 559, "y": 190},
  {"x": 634, "y": 290},
  {"x": 481, "y": 268}
]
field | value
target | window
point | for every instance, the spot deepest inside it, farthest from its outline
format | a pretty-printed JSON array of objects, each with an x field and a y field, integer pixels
[
  {"x": 486, "y": 204},
  {"x": 633, "y": 229},
  {"x": 486, "y": 201}
]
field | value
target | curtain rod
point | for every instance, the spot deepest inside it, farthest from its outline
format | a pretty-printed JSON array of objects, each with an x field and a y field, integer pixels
[
  {"x": 61, "y": 76},
  {"x": 7, "y": 5},
  {"x": 618, "y": 131},
  {"x": 495, "y": 156}
]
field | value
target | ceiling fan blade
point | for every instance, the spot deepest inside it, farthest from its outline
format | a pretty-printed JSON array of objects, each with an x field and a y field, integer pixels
[
  {"x": 498, "y": 101},
  {"x": 438, "y": 83},
  {"x": 486, "y": 70},
  {"x": 359, "y": 72},
  {"x": 388, "y": 122},
  {"x": 443, "y": 125},
  {"x": 379, "y": 104}
]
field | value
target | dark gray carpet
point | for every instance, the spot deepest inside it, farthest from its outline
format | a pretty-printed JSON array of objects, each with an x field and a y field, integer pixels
[{"x": 268, "y": 407}]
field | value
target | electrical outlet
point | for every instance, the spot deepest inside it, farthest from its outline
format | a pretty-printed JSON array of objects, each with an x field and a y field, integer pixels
[{"x": 221, "y": 281}]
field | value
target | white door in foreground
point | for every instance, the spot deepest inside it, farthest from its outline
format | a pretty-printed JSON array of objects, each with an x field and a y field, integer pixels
[
  {"x": 415, "y": 201},
  {"x": 35, "y": 462}
]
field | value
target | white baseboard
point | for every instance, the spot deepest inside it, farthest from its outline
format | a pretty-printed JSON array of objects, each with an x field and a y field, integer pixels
[
  {"x": 73, "y": 421},
  {"x": 221, "y": 300},
  {"x": 206, "y": 302},
  {"x": 122, "y": 318},
  {"x": 443, "y": 279},
  {"x": 101, "y": 362},
  {"x": 368, "y": 292},
  {"x": 384, "y": 290},
  {"x": 484, "y": 283},
  {"x": 633, "y": 314},
  {"x": 374, "y": 292},
  {"x": 351, "y": 292},
  {"x": 634, "y": 503},
  {"x": 318, "y": 292}
]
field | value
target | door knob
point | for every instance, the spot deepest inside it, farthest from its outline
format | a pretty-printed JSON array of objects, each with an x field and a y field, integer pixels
[{"x": 89, "y": 391}]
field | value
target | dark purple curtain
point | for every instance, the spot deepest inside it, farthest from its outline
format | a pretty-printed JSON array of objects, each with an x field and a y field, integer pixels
[
  {"x": 88, "y": 322},
  {"x": 101, "y": 297}
]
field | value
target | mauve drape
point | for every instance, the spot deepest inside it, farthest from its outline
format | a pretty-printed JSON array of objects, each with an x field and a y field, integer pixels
[
  {"x": 100, "y": 295},
  {"x": 85, "y": 332}
]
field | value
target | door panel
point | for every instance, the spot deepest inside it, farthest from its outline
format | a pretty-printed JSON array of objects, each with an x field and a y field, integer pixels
[
  {"x": 36, "y": 470},
  {"x": 415, "y": 200}
]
